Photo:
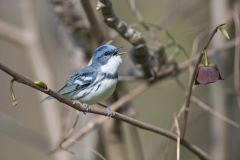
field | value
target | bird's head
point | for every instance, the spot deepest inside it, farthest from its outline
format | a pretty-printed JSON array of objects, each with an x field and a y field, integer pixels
[{"x": 107, "y": 58}]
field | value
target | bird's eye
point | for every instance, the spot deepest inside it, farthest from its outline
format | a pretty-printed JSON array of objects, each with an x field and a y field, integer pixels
[{"x": 107, "y": 53}]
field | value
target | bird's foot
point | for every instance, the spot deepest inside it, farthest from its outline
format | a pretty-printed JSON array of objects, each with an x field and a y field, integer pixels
[
  {"x": 86, "y": 107},
  {"x": 76, "y": 102},
  {"x": 110, "y": 113}
]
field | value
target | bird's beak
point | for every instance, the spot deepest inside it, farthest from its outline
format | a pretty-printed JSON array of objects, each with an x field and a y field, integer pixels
[
  {"x": 121, "y": 53},
  {"x": 120, "y": 47}
]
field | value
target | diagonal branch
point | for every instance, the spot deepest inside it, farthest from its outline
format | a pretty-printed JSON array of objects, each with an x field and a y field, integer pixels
[
  {"x": 21, "y": 79},
  {"x": 96, "y": 27},
  {"x": 99, "y": 120},
  {"x": 12, "y": 33},
  {"x": 190, "y": 88},
  {"x": 172, "y": 70}
]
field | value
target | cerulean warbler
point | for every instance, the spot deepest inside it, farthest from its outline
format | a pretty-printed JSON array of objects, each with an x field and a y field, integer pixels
[{"x": 97, "y": 81}]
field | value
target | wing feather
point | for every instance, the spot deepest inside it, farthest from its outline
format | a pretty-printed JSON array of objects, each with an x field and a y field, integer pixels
[{"x": 80, "y": 80}]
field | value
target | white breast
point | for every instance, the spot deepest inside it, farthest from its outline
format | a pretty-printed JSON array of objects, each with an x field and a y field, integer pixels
[
  {"x": 105, "y": 88},
  {"x": 100, "y": 92},
  {"x": 112, "y": 65}
]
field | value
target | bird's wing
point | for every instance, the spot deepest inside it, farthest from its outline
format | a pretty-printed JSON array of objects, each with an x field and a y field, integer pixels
[{"x": 80, "y": 80}]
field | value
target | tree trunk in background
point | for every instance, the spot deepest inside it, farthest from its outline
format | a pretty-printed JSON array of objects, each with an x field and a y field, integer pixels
[
  {"x": 41, "y": 68},
  {"x": 218, "y": 132}
]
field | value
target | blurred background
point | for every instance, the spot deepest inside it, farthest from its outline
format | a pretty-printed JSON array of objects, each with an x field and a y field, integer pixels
[{"x": 48, "y": 40}]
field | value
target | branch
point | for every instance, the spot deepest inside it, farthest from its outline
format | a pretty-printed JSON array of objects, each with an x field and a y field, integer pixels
[
  {"x": 209, "y": 109},
  {"x": 99, "y": 120},
  {"x": 237, "y": 56},
  {"x": 205, "y": 107},
  {"x": 69, "y": 13},
  {"x": 133, "y": 36},
  {"x": 74, "y": 21},
  {"x": 172, "y": 70},
  {"x": 12, "y": 33},
  {"x": 211, "y": 52},
  {"x": 96, "y": 27},
  {"x": 189, "y": 94},
  {"x": 21, "y": 79}
]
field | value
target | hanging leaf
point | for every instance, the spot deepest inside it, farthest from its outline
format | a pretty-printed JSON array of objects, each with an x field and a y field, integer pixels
[
  {"x": 14, "y": 99},
  {"x": 224, "y": 32}
]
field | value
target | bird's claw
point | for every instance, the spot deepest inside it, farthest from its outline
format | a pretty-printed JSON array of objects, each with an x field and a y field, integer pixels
[
  {"x": 86, "y": 107},
  {"x": 110, "y": 113},
  {"x": 76, "y": 102}
]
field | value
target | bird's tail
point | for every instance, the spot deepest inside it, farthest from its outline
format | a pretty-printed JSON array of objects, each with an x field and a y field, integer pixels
[{"x": 47, "y": 98}]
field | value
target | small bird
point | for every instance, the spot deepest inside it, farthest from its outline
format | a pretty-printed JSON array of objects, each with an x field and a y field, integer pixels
[{"x": 97, "y": 81}]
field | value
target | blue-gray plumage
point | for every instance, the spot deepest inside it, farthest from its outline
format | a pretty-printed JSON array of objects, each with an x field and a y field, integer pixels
[{"x": 98, "y": 80}]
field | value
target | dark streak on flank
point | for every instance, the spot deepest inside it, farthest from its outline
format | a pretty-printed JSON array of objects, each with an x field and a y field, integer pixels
[{"x": 99, "y": 85}]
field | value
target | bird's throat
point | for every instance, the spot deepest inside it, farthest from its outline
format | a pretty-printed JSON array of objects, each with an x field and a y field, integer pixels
[{"x": 112, "y": 65}]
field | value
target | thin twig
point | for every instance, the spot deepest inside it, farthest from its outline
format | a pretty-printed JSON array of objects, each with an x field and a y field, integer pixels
[
  {"x": 67, "y": 135},
  {"x": 99, "y": 155},
  {"x": 95, "y": 23},
  {"x": 99, "y": 120},
  {"x": 178, "y": 115},
  {"x": 214, "y": 113},
  {"x": 179, "y": 136},
  {"x": 171, "y": 70},
  {"x": 171, "y": 37},
  {"x": 137, "y": 13},
  {"x": 143, "y": 125},
  {"x": 38, "y": 59},
  {"x": 189, "y": 94},
  {"x": 12, "y": 33},
  {"x": 207, "y": 108},
  {"x": 135, "y": 136},
  {"x": 14, "y": 99},
  {"x": 237, "y": 56},
  {"x": 187, "y": 103},
  {"x": 211, "y": 53},
  {"x": 75, "y": 22}
]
